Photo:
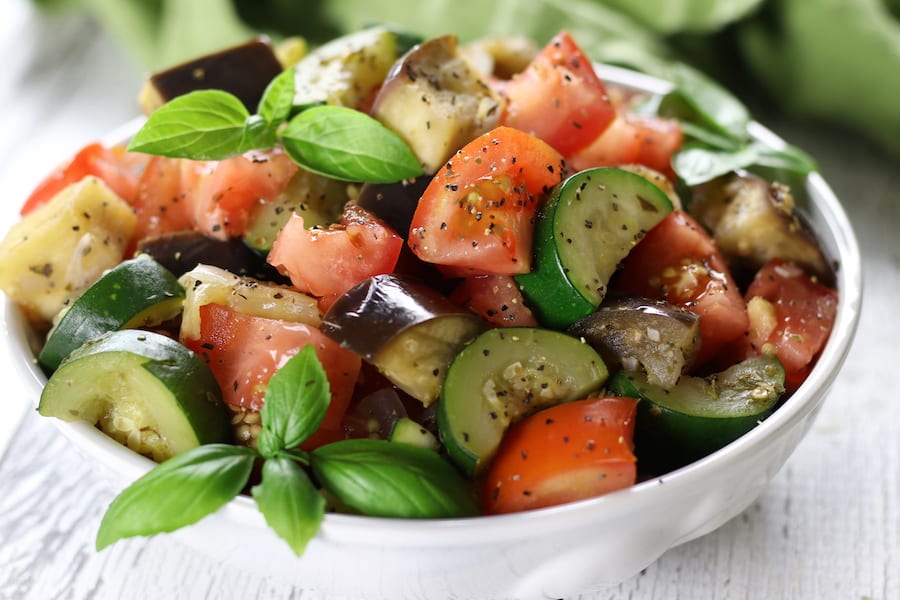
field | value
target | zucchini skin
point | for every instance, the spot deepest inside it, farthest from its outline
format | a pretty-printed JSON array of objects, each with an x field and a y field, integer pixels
[
  {"x": 590, "y": 224},
  {"x": 139, "y": 289},
  {"x": 699, "y": 415}
]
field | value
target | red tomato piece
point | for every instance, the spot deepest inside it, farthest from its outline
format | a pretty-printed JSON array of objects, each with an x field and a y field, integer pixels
[
  {"x": 118, "y": 169},
  {"x": 244, "y": 352},
  {"x": 478, "y": 211},
  {"x": 633, "y": 139},
  {"x": 496, "y": 298},
  {"x": 159, "y": 203},
  {"x": 797, "y": 320},
  {"x": 328, "y": 262},
  {"x": 678, "y": 261},
  {"x": 559, "y": 97},
  {"x": 568, "y": 452},
  {"x": 223, "y": 194}
]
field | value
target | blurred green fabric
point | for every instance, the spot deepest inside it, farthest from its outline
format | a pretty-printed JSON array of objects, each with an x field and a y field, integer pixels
[{"x": 830, "y": 60}]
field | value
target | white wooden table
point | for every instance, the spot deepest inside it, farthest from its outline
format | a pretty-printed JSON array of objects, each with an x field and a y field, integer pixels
[{"x": 827, "y": 527}]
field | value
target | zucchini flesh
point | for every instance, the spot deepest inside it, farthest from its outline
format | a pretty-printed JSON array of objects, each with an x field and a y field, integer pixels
[
  {"x": 142, "y": 388},
  {"x": 591, "y": 223},
  {"x": 505, "y": 375}
]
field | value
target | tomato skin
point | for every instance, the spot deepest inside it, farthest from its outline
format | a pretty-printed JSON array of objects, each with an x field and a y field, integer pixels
[
  {"x": 244, "y": 352},
  {"x": 804, "y": 314},
  {"x": 633, "y": 139},
  {"x": 477, "y": 214},
  {"x": 496, "y": 298},
  {"x": 571, "y": 451},
  {"x": 328, "y": 262},
  {"x": 117, "y": 168},
  {"x": 559, "y": 97},
  {"x": 222, "y": 194},
  {"x": 678, "y": 261}
]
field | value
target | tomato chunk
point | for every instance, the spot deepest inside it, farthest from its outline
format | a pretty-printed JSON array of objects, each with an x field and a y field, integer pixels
[
  {"x": 791, "y": 316},
  {"x": 223, "y": 194},
  {"x": 633, "y": 139},
  {"x": 117, "y": 168},
  {"x": 678, "y": 261},
  {"x": 496, "y": 298},
  {"x": 328, "y": 262},
  {"x": 478, "y": 211},
  {"x": 244, "y": 352},
  {"x": 159, "y": 203},
  {"x": 565, "y": 453},
  {"x": 559, "y": 97}
]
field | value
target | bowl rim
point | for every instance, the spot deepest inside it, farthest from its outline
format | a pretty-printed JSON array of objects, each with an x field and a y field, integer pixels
[{"x": 394, "y": 532}]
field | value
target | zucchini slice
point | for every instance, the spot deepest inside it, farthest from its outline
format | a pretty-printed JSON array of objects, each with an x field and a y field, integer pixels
[
  {"x": 144, "y": 389},
  {"x": 136, "y": 293},
  {"x": 590, "y": 224},
  {"x": 503, "y": 376},
  {"x": 700, "y": 414}
]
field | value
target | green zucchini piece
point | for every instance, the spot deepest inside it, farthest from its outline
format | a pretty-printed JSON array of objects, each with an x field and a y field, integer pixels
[
  {"x": 700, "y": 414},
  {"x": 503, "y": 376},
  {"x": 144, "y": 389},
  {"x": 135, "y": 293},
  {"x": 407, "y": 431},
  {"x": 590, "y": 224}
]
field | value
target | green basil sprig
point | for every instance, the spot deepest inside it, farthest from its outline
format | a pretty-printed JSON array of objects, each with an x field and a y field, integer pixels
[
  {"x": 716, "y": 126},
  {"x": 372, "y": 477},
  {"x": 337, "y": 142}
]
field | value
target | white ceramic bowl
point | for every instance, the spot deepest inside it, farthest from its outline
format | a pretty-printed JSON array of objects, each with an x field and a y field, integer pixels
[{"x": 547, "y": 553}]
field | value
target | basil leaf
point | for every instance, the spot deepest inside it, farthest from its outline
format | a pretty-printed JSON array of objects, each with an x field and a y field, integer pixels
[
  {"x": 789, "y": 158},
  {"x": 697, "y": 164},
  {"x": 707, "y": 137},
  {"x": 290, "y": 503},
  {"x": 698, "y": 99},
  {"x": 178, "y": 492},
  {"x": 346, "y": 144},
  {"x": 201, "y": 125},
  {"x": 384, "y": 479},
  {"x": 297, "y": 398},
  {"x": 275, "y": 104}
]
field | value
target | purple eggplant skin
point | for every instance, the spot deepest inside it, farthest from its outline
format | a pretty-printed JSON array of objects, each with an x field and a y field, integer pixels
[
  {"x": 394, "y": 203},
  {"x": 641, "y": 333},
  {"x": 181, "y": 251},
  {"x": 370, "y": 315},
  {"x": 244, "y": 70}
]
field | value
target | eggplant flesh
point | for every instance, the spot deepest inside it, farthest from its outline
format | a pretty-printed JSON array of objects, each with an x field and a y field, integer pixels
[
  {"x": 640, "y": 334},
  {"x": 436, "y": 102},
  {"x": 753, "y": 221},
  {"x": 408, "y": 331}
]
